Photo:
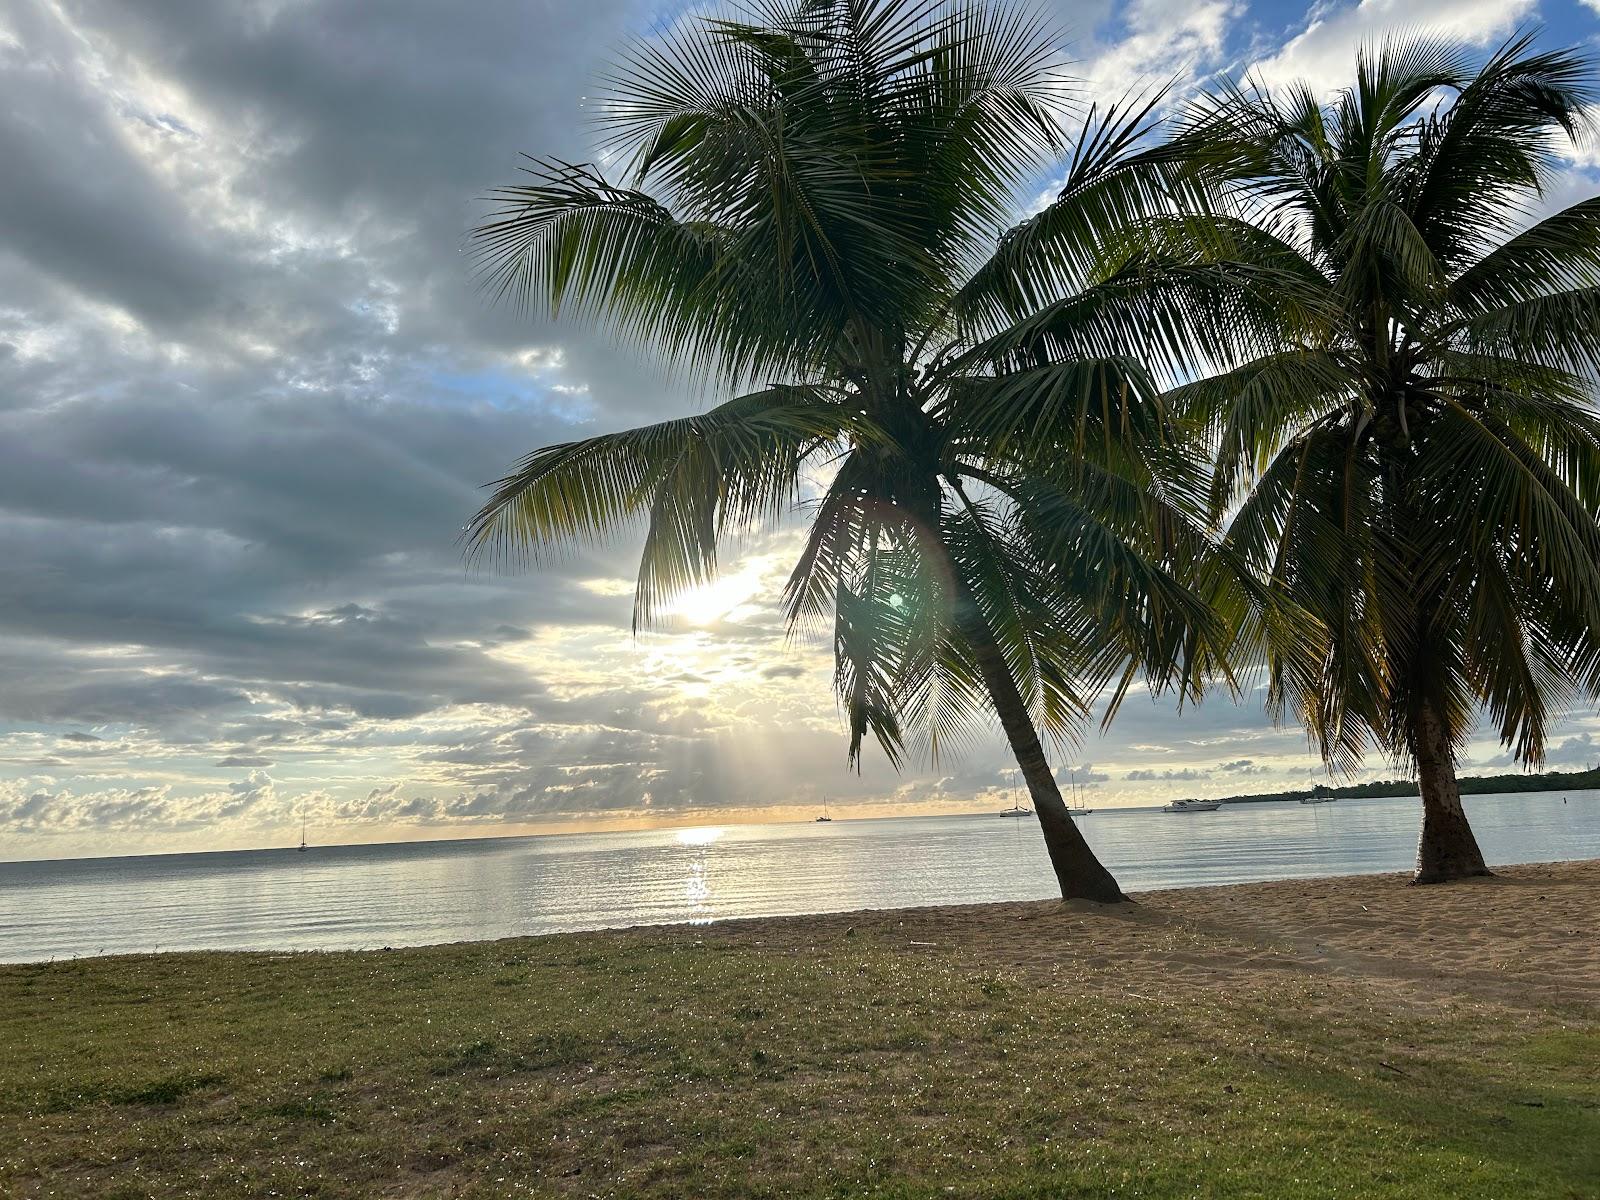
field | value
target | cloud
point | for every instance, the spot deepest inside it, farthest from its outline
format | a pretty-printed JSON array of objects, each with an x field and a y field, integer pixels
[
  {"x": 1323, "y": 53},
  {"x": 1083, "y": 773},
  {"x": 1581, "y": 750},
  {"x": 34, "y": 806},
  {"x": 1183, "y": 774},
  {"x": 1242, "y": 766},
  {"x": 1160, "y": 40}
]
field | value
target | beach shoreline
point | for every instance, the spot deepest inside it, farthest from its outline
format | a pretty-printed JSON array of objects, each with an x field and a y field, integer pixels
[
  {"x": 1530, "y": 930},
  {"x": 1259, "y": 911}
]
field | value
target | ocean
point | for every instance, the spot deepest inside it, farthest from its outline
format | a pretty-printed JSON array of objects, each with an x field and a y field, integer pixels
[{"x": 341, "y": 897}]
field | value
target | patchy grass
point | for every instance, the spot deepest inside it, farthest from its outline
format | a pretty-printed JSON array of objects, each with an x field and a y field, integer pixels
[{"x": 787, "y": 1059}]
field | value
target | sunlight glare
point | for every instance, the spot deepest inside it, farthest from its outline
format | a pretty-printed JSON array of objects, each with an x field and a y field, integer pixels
[
  {"x": 712, "y": 602},
  {"x": 702, "y": 836}
]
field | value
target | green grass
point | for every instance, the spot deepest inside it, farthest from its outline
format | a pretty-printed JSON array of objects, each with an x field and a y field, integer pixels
[{"x": 678, "y": 1065}]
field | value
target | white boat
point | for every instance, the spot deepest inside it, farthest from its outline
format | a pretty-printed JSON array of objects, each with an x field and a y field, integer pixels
[
  {"x": 1317, "y": 799},
  {"x": 1077, "y": 808},
  {"x": 1193, "y": 806},
  {"x": 1016, "y": 809}
]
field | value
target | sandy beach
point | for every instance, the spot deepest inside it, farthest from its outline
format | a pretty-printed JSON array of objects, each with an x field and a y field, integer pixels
[{"x": 1529, "y": 936}]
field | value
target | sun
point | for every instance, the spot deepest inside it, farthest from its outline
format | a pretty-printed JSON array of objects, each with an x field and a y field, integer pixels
[{"x": 714, "y": 601}]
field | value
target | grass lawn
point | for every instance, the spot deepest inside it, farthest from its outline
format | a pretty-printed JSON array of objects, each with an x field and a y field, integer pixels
[{"x": 1072, "y": 1053}]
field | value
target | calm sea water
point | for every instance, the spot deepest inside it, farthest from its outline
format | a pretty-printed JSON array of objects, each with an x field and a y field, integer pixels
[{"x": 418, "y": 893}]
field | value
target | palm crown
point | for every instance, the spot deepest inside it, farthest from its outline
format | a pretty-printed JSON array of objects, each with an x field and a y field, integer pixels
[
  {"x": 812, "y": 196},
  {"x": 1405, "y": 436}
]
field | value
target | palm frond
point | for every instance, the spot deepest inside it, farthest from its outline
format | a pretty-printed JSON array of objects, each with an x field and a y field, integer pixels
[
  {"x": 1559, "y": 253},
  {"x": 1020, "y": 603},
  {"x": 1248, "y": 414},
  {"x": 1557, "y": 329},
  {"x": 1480, "y": 163},
  {"x": 1118, "y": 176},
  {"x": 693, "y": 480}
]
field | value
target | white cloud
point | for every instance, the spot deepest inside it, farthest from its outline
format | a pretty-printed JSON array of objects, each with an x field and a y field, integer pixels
[
  {"x": 1323, "y": 54},
  {"x": 1164, "y": 40}
]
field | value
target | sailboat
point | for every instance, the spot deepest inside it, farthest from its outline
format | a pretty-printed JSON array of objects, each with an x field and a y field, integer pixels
[
  {"x": 1078, "y": 809},
  {"x": 1016, "y": 809},
  {"x": 302, "y": 846},
  {"x": 1316, "y": 797},
  {"x": 824, "y": 817}
]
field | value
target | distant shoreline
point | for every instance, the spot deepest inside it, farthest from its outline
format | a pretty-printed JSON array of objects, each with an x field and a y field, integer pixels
[{"x": 1471, "y": 785}]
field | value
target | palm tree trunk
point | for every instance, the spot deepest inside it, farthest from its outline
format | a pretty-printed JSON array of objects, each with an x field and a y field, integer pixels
[
  {"x": 1080, "y": 874},
  {"x": 1447, "y": 848}
]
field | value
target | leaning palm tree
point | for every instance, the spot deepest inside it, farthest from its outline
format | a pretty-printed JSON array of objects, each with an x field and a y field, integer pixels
[
  {"x": 1407, "y": 443},
  {"x": 805, "y": 211}
]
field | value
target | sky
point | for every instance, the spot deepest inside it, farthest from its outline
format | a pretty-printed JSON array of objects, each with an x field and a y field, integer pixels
[{"x": 249, "y": 395}]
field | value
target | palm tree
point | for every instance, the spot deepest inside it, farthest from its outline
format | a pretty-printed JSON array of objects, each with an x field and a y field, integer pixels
[
  {"x": 1403, "y": 412},
  {"x": 808, "y": 214}
]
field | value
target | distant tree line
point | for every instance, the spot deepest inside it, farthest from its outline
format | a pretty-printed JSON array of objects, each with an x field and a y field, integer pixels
[{"x": 1471, "y": 785}]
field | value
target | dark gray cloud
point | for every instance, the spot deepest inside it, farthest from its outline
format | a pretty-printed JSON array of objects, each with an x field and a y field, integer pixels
[
  {"x": 1241, "y": 766},
  {"x": 78, "y": 206},
  {"x": 1182, "y": 775},
  {"x": 248, "y": 392},
  {"x": 1083, "y": 774}
]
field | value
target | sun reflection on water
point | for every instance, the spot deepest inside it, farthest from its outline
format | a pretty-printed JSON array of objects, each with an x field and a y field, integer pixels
[
  {"x": 697, "y": 905},
  {"x": 701, "y": 836}
]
